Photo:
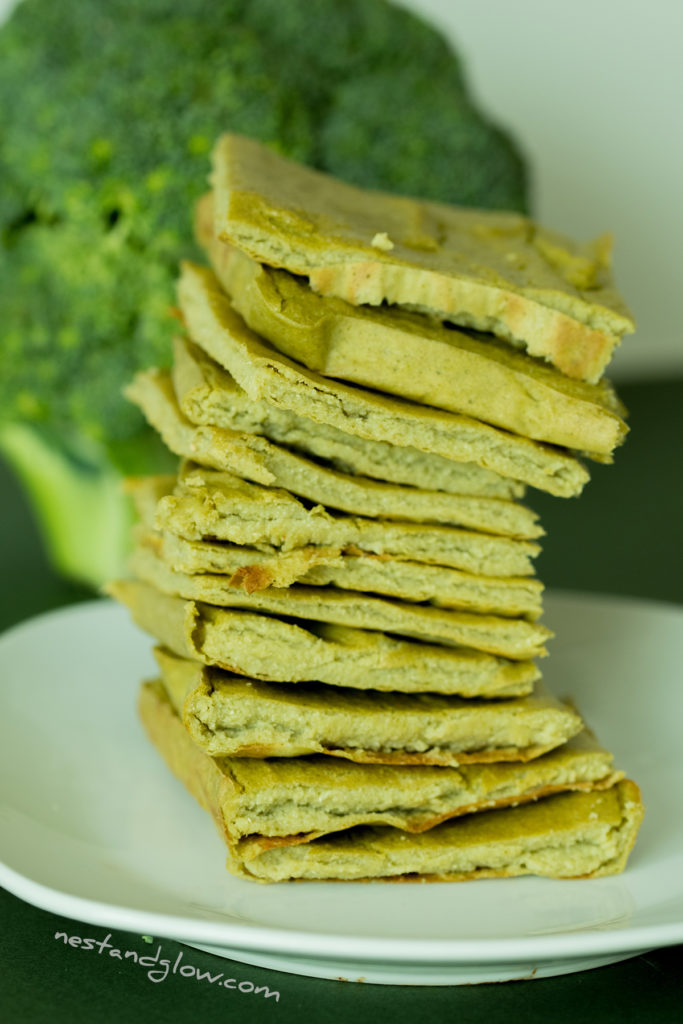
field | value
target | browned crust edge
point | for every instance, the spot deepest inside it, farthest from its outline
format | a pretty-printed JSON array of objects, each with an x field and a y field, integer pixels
[{"x": 254, "y": 845}]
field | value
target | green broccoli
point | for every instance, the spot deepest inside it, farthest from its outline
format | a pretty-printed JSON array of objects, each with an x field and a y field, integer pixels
[{"x": 108, "y": 112}]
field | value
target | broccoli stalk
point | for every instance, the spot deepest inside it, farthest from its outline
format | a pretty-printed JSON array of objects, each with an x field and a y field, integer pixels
[
  {"x": 79, "y": 506},
  {"x": 107, "y": 115},
  {"x": 78, "y": 497}
]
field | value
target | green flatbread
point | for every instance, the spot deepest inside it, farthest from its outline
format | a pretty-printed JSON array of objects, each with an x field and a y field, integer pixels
[
  {"x": 299, "y": 798},
  {"x": 494, "y": 271},
  {"x": 207, "y": 504},
  {"x": 253, "y": 570},
  {"x": 227, "y": 715},
  {"x": 508, "y": 637},
  {"x": 265, "y": 374},
  {"x": 405, "y": 354},
  {"x": 264, "y": 647},
  {"x": 209, "y": 396},
  {"x": 567, "y": 835},
  {"x": 570, "y": 835},
  {"x": 261, "y": 461}
]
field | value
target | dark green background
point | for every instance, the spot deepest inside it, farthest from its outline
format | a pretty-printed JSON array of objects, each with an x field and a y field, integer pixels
[{"x": 622, "y": 536}]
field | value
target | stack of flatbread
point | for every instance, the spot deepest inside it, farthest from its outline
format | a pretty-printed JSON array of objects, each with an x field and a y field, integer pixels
[{"x": 340, "y": 577}]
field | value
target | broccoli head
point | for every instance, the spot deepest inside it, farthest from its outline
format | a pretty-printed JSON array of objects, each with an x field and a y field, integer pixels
[{"x": 108, "y": 112}]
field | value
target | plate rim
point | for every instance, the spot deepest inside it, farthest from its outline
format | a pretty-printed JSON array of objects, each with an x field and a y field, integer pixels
[
  {"x": 325, "y": 946},
  {"x": 275, "y": 938}
]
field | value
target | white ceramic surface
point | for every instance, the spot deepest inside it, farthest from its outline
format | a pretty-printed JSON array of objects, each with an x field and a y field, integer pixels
[{"x": 92, "y": 826}]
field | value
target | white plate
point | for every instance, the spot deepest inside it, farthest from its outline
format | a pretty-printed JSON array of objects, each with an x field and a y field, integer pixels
[{"x": 93, "y": 827}]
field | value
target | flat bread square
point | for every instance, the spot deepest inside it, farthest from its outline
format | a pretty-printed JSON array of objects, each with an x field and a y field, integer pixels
[
  {"x": 229, "y": 715},
  {"x": 515, "y": 638},
  {"x": 264, "y": 373},
  {"x": 209, "y": 396},
  {"x": 216, "y": 505},
  {"x": 251, "y": 570},
  {"x": 569, "y": 835},
  {"x": 494, "y": 271},
  {"x": 281, "y": 650},
  {"x": 260, "y": 460},
  {"x": 403, "y": 353},
  {"x": 586, "y": 833},
  {"x": 296, "y": 799}
]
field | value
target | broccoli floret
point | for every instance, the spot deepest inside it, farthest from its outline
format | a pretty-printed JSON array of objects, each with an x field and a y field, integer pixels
[
  {"x": 407, "y": 155},
  {"x": 108, "y": 112}
]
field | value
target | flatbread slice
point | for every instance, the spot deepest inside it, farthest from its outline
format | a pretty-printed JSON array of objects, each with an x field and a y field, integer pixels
[
  {"x": 209, "y": 396},
  {"x": 580, "y": 834},
  {"x": 256, "y": 800},
  {"x": 570, "y": 835},
  {"x": 508, "y": 637},
  {"x": 230, "y": 716},
  {"x": 263, "y": 647},
  {"x": 253, "y": 570},
  {"x": 489, "y": 270},
  {"x": 405, "y": 354},
  {"x": 208, "y": 504},
  {"x": 261, "y": 461},
  {"x": 265, "y": 374}
]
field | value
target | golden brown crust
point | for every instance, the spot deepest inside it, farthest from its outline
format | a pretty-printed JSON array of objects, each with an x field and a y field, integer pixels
[{"x": 251, "y": 578}]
